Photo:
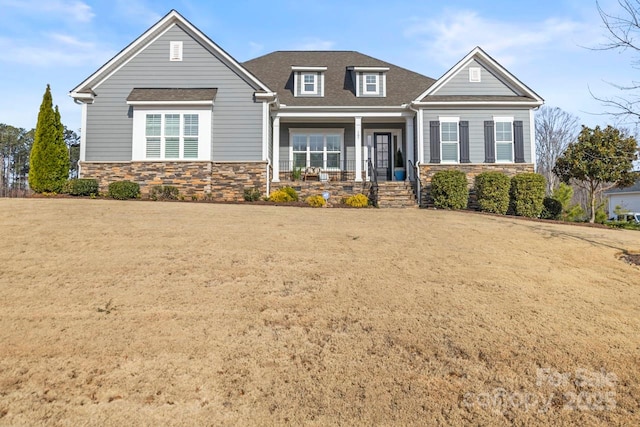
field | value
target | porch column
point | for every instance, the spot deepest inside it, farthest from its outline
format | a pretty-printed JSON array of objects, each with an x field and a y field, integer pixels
[
  {"x": 410, "y": 146},
  {"x": 275, "y": 147},
  {"x": 358, "y": 149}
]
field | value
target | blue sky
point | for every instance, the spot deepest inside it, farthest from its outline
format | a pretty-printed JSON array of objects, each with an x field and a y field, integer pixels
[{"x": 544, "y": 43}]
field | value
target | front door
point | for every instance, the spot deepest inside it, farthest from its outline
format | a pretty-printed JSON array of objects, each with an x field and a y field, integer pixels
[{"x": 382, "y": 155}]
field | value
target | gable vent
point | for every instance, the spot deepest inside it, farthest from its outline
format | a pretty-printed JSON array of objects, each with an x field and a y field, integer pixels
[
  {"x": 475, "y": 74},
  {"x": 175, "y": 51}
]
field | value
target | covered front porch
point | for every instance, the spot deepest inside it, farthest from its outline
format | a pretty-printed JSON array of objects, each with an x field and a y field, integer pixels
[{"x": 342, "y": 147}]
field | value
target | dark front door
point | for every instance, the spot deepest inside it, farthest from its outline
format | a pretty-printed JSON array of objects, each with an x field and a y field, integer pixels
[{"x": 382, "y": 153}]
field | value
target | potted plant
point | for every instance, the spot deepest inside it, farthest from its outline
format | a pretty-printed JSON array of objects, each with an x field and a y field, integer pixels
[{"x": 399, "y": 171}]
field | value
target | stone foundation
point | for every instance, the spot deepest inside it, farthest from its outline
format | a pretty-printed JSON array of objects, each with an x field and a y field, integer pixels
[
  {"x": 471, "y": 170},
  {"x": 214, "y": 180},
  {"x": 337, "y": 190}
]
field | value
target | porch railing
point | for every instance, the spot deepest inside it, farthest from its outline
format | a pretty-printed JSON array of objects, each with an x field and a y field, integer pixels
[
  {"x": 373, "y": 190},
  {"x": 347, "y": 173},
  {"x": 414, "y": 179}
]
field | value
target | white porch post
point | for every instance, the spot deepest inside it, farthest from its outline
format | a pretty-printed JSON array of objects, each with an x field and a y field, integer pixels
[
  {"x": 275, "y": 141},
  {"x": 358, "y": 148},
  {"x": 410, "y": 147}
]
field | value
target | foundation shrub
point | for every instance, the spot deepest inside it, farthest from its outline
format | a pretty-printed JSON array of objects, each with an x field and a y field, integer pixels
[
  {"x": 357, "y": 201},
  {"x": 449, "y": 189},
  {"x": 123, "y": 190},
  {"x": 251, "y": 194},
  {"x": 164, "y": 192},
  {"x": 316, "y": 201},
  {"x": 552, "y": 208},
  {"x": 492, "y": 191},
  {"x": 81, "y": 186},
  {"x": 527, "y": 194}
]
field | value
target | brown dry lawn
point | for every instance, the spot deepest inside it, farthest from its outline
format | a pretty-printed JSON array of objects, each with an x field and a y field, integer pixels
[{"x": 150, "y": 313}]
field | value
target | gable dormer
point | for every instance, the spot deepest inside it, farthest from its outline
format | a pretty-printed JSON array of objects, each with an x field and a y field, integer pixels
[
  {"x": 308, "y": 81},
  {"x": 370, "y": 81}
]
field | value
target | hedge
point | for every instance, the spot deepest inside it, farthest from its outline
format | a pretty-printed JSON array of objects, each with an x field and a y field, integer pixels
[
  {"x": 82, "y": 186},
  {"x": 449, "y": 189},
  {"x": 492, "y": 191},
  {"x": 123, "y": 190},
  {"x": 527, "y": 194}
]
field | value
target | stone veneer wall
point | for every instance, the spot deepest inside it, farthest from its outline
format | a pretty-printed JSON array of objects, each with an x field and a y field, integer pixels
[
  {"x": 336, "y": 189},
  {"x": 228, "y": 180},
  {"x": 470, "y": 169},
  {"x": 219, "y": 181}
]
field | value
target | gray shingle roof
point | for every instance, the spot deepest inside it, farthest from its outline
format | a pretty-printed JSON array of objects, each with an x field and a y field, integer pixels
[
  {"x": 274, "y": 69},
  {"x": 173, "y": 94},
  {"x": 635, "y": 188}
]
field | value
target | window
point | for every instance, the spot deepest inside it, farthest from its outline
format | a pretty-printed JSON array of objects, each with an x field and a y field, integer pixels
[
  {"x": 171, "y": 136},
  {"x": 309, "y": 82},
  {"x": 475, "y": 74},
  {"x": 371, "y": 84},
  {"x": 175, "y": 51},
  {"x": 316, "y": 149},
  {"x": 504, "y": 139},
  {"x": 449, "y": 139}
]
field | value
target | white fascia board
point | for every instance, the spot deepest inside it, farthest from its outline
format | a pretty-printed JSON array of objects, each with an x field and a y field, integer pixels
[
  {"x": 338, "y": 114},
  {"x": 83, "y": 97},
  {"x": 489, "y": 63},
  {"x": 343, "y": 107},
  {"x": 369, "y": 69},
  {"x": 475, "y": 103},
  {"x": 169, "y": 20},
  {"x": 305, "y": 68},
  {"x": 168, "y": 103}
]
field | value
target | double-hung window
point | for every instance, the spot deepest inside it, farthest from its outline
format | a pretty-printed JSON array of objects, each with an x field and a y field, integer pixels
[
  {"x": 504, "y": 139},
  {"x": 371, "y": 84},
  {"x": 449, "y": 139},
  {"x": 171, "y": 136},
  {"x": 316, "y": 149},
  {"x": 309, "y": 83}
]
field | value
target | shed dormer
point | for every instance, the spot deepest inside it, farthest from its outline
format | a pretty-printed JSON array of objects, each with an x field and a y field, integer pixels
[
  {"x": 370, "y": 81},
  {"x": 308, "y": 81}
]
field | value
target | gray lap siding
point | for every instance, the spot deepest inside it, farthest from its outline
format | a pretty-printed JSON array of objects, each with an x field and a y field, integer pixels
[
  {"x": 476, "y": 119},
  {"x": 237, "y": 119}
]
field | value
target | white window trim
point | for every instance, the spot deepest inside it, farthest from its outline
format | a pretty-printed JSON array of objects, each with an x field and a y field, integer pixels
[
  {"x": 173, "y": 47},
  {"x": 324, "y": 132},
  {"x": 497, "y": 119},
  {"x": 475, "y": 74},
  {"x": 298, "y": 82},
  {"x": 381, "y": 80},
  {"x": 139, "y": 141},
  {"x": 376, "y": 91},
  {"x": 455, "y": 120},
  {"x": 302, "y": 84}
]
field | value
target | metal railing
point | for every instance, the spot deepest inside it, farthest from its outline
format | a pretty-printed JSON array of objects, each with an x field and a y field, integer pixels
[
  {"x": 413, "y": 174},
  {"x": 373, "y": 190},
  {"x": 347, "y": 173}
]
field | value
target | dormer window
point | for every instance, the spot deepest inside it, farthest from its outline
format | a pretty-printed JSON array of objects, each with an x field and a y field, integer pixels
[
  {"x": 371, "y": 86},
  {"x": 308, "y": 81},
  {"x": 309, "y": 84},
  {"x": 370, "y": 81}
]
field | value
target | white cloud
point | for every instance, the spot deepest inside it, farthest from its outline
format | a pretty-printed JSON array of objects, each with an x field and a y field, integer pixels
[
  {"x": 449, "y": 37},
  {"x": 136, "y": 11},
  {"x": 315, "y": 44},
  {"x": 53, "y": 50},
  {"x": 78, "y": 10}
]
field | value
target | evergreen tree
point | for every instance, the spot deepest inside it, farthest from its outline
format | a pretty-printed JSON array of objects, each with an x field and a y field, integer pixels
[{"x": 49, "y": 160}]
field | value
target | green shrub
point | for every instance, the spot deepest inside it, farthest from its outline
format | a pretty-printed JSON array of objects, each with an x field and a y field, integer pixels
[
  {"x": 357, "y": 201},
  {"x": 527, "y": 194},
  {"x": 449, "y": 189},
  {"x": 291, "y": 192},
  {"x": 123, "y": 190},
  {"x": 81, "y": 187},
  {"x": 316, "y": 201},
  {"x": 492, "y": 190},
  {"x": 164, "y": 192},
  {"x": 627, "y": 225},
  {"x": 251, "y": 194},
  {"x": 552, "y": 208},
  {"x": 280, "y": 196}
]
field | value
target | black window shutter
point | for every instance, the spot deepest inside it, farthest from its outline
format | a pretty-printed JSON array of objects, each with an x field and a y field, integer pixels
[
  {"x": 464, "y": 142},
  {"x": 489, "y": 143},
  {"x": 518, "y": 141},
  {"x": 435, "y": 141}
]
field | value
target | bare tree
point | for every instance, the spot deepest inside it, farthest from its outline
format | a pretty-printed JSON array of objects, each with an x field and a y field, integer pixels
[
  {"x": 555, "y": 130},
  {"x": 623, "y": 29}
]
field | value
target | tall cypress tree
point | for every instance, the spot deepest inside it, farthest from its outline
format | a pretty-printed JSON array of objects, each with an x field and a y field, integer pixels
[{"x": 49, "y": 160}]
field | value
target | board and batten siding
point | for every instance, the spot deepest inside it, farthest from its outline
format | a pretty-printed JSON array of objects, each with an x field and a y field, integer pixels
[
  {"x": 237, "y": 119},
  {"x": 460, "y": 84},
  {"x": 476, "y": 119}
]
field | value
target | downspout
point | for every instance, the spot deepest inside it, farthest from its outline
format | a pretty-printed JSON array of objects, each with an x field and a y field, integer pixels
[{"x": 417, "y": 140}]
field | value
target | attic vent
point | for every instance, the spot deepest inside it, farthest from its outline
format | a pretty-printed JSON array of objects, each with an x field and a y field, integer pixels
[
  {"x": 175, "y": 51},
  {"x": 475, "y": 75}
]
